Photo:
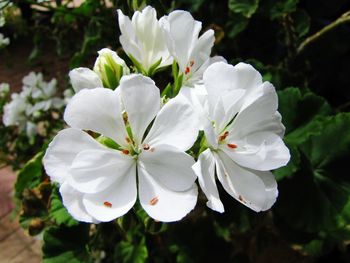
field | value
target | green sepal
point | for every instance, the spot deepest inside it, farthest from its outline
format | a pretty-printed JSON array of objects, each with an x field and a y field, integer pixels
[
  {"x": 108, "y": 142},
  {"x": 154, "y": 68},
  {"x": 137, "y": 65},
  {"x": 111, "y": 78}
]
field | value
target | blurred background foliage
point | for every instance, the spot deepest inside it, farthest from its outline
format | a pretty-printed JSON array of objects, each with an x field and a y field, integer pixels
[{"x": 302, "y": 47}]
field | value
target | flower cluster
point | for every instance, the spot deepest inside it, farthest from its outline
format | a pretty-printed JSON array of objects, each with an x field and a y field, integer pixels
[
  {"x": 148, "y": 145},
  {"x": 26, "y": 108}
]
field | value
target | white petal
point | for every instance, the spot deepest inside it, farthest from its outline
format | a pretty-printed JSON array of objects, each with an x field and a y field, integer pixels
[
  {"x": 197, "y": 97},
  {"x": 98, "y": 110},
  {"x": 202, "y": 49},
  {"x": 259, "y": 116},
  {"x": 262, "y": 151},
  {"x": 257, "y": 132},
  {"x": 205, "y": 170},
  {"x": 116, "y": 200},
  {"x": 84, "y": 78},
  {"x": 63, "y": 149},
  {"x": 161, "y": 203},
  {"x": 169, "y": 166},
  {"x": 220, "y": 78},
  {"x": 176, "y": 124},
  {"x": 257, "y": 190},
  {"x": 128, "y": 37},
  {"x": 141, "y": 99},
  {"x": 182, "y": 33},
  {"x": 93, "y": 171},
  {"x": 73, "y": 201}
]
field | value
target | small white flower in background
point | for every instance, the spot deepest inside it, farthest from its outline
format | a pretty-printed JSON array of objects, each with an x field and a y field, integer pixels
[
  {"x": 110, "y": 68},
  {"x": 4, "y": 89},
  {"x": 191, "y": 52},
  {"x": 14, "y": 111},
  {"x": 142, "y": 38},
  {"x": 37, "y": 96},
  {"x": 4, "y": 41},
  {"x": 244, "y": 134},
  {"x": 99, "y": 183}
]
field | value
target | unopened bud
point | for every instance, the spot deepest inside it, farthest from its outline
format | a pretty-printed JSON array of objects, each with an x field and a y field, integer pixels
[{"x": 110, "y": 68}]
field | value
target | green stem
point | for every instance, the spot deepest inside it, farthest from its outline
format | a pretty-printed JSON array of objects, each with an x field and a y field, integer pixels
[{"x": 341, "y": 20}]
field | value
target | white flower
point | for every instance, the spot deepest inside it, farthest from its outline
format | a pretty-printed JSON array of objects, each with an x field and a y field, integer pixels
[
  {"x": 244, "y": 134},
  {"x": 14, "y": 111},
  {"x": 4, "y": 41},
  {"x": 142, "y": 38},
  {"x": 110, "y": 67},
  {"x": 99, "y": 183},
  {"x": 84, "y": 78},
  {"x": 4, "y": 89},
  {"x": 191, "y": 52}
]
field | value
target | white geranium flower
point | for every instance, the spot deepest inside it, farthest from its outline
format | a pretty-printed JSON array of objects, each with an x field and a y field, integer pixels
[
  {"x": 142, "y": 38},
  {"x": 99, "y": 183},
  {"x": 110, "y": 67},
  {"x": 191, "y": 52},
  {"x": 244, "y": 134}
]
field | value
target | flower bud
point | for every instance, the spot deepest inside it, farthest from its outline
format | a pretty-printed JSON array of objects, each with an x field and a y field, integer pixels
[{"x": 110, "y": 68}]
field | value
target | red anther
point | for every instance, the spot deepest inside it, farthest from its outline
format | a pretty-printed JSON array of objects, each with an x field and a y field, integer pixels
[
  {"x": 191, "y": 63},
  {"x": 223, "y": 137},
  {"x": 154, "y": 201},
  {"x": 107, "y": 204},
  {"x": 146, "y": 147},
  {"x": 232, "y": 146},
  {"x": 187, "y": 70},
  {"x": 125, "y": 151}
]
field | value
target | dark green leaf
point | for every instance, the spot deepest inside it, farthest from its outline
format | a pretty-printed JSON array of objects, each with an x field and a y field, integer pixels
[
  {"x": 245, "y": 7},
  {"x": 129, "y": 252},
  {"x": 66, "y": 244},
  {"x": 58, "y": 212},
  {"x": 30, "y": 175}
]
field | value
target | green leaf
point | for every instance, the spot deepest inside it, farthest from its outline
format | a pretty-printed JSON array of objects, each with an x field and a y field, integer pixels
[
  {"x": 245, "y": 7},
  {"x": 299, "y": 108},
  {"x": 236, "y": 25},
  {"x": 58, "y": 212},
  {"x": 321, "y": 175},
  {"x": 301, "y": 22},
  {"x": 30, "y": 176},
  {"x": 66, "y": 244},
  {"x": 282, "y": 7},
  {"x": 129, "y": 252}
]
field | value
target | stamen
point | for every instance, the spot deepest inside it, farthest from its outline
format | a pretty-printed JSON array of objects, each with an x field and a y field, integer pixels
[
  {"x": 107, "y": 204},
  {"x": 125, "y": 151},
  {"x": 223, "y": 137},
  {"x": 127, "y": 139},
  {"x": 191, "y": 63},
  {"x": 232, "y": 146},
  {"x": 154, "y": 201},
  {"x": 146, "y": 147},
  {"x": 187, "y": 70}
]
